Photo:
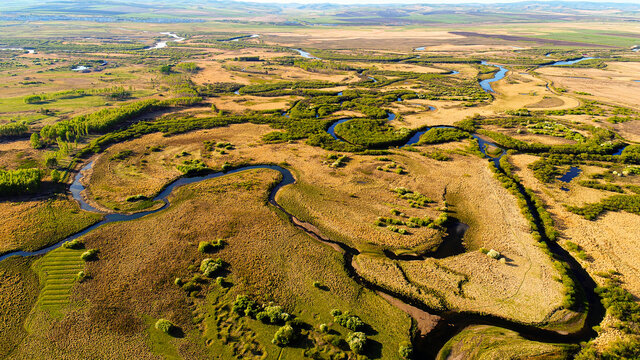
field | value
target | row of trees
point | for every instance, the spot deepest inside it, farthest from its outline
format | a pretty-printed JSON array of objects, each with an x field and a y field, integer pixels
[{"x": 18, "y": 182}]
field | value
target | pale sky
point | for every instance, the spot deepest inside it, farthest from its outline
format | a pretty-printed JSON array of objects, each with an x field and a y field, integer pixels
[{"x": 365, "y": 2}]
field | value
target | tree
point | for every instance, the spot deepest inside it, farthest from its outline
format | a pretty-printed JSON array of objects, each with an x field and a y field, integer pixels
[
  {"x": 35, "y": 141},
  {"x": 284, "y": 336},
  {"x": 357, "y": 341}
]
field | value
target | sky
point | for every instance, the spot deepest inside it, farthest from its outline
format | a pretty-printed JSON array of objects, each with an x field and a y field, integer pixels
[{"x": 365, "y": 2}]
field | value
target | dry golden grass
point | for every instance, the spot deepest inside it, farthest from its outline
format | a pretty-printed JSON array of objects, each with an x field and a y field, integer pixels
[
  {"x": 345, "y": 202},
  {"x": 613, "y": 84},
  {"x": 18, "y": 293},
  {"x": 546, "y": 102},
  {"x": 267, "y": 258},
  {"x": 31, "y": 225},
  {"x": 524, "y": 289},
  {"x": 482, "y": 342}
]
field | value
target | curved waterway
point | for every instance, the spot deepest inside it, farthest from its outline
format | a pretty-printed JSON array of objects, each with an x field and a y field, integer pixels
[
  {"x": 163, "y": 44},
  {"x": 483, "y": 144},
  {"x": 486, "y": 84},
  {"x": 570, "y": 62}
]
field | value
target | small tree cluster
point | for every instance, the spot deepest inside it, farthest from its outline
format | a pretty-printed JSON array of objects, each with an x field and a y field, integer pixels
[
  {"x": 351, "y": 322},
  {"x": 273, "y": 315}
]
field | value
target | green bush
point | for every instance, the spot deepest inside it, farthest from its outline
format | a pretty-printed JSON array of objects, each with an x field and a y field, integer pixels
[
  {"x": 371, "y": 133},
  {"x": 243, "y": 305},
  {"x": 442, "y": 135},
  {"x": 351, "y": 322},
  {"x": 211, "y": 246},
  {"x": 357, "y": 342},
  {"x": 209, "y": 267},
  {"x": 284, "y": 336},
  {"x": 73, "y": 244},
  {"x": 273, "y": 315},
  {"x": 192, "y": 167},
  {"x": 89, "y": 255},
  {"x": 165, "y": 326},
  {"x": 14, "y": 129}
]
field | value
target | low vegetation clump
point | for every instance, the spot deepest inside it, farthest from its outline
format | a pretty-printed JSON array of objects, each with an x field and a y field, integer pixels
[
  {"x": 122, "y": 155},
  {"x": 442, "y": 135},
  {"x": 414, "y": 198},
  {"x": 165, "y": 326},
  {"x": 284, "y": 336},
  {"x": 209, "y": 267},
  {"x": 244, "y": 306},
  {"x": 593, "y": 184},
  {"x": 405, "y": 350},
  {"x": 493, "y": 254},
  {"x": 628, "y": 203},
  {"x": 74, "y": 244},
  {"x": 211, "y": 246},
  {"x": 372, "y": 133},
  {"x": 192, "y": 167},
  {"x": 89, "y": 255},
  {"x": 273, "y": 315},
  {"x": 623, "y": 307},
  {"x": 13, "y": 129},
  {"x": 336, "y": 161},
  {"x": 351, "y": 322}
]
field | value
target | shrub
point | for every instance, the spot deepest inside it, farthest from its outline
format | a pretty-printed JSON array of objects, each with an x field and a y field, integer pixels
[
  {"x": 192, "y": 167},
  {"x": 351, "y": 322},
  {"x": 178, "y": 281},
  {"x": 357, "y": 341},
  {"x": 405, "y": 350},
  {"x": 33, "y": 99},
  {"x": 210, "y": 246},
  {"x": 55, "y": 176},
  {"x": 73, "y": 244},
  {"x": 273, "y": 315},
  {"x": 209, "y": 266},
  {"x": 284, "y": 336},
  {"x": 165, "y": 326},
  {"x": 89, "y": 255},
  {"x": 324, "y": 328},
  {"x": 35, "y": 141},
  {"x": 244, "y": 306},
  {"x": 80, "y": 276},
  {"x": 190, "y": 286},
  {"x": 493, "y": 254}
]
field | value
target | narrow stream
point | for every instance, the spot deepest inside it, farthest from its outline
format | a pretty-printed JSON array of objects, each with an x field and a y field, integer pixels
[
  {"x": 486, "y": 84},
  {"x": 163, "y": 44}
]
